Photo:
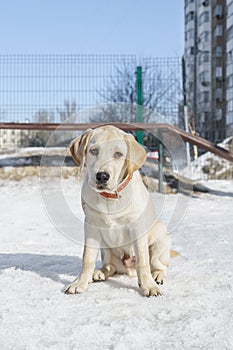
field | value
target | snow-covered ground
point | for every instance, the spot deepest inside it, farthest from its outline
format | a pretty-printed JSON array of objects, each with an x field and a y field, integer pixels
[
  {"x": 209, "y": 166},
  {"x": 37, "y": 262}
]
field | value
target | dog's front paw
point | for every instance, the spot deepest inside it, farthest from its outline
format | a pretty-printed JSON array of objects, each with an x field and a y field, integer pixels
[
  {"x": 98, "y": 276},
  {"x": 76, "y": 288},
  {"x": 150, "y": 289}
]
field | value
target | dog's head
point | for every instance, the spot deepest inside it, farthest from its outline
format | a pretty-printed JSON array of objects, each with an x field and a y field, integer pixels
[{"x": 109, "y": 155}]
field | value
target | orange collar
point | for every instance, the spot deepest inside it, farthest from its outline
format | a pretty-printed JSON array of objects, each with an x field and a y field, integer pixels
[{"x": 119, "y": 189}]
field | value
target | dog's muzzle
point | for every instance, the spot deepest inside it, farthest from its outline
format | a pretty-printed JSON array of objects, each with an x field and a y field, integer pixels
[{"x": 102, "y": 178}]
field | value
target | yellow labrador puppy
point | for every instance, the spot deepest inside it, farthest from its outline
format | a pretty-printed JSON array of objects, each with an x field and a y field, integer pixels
[{"x": 119, "y": 214}]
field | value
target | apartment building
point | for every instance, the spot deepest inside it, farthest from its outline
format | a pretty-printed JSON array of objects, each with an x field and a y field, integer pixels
[
  {"x": 229, "y": 69},
  {"x": 206, "y": 56},
  {"x": 10, "y": 139}
]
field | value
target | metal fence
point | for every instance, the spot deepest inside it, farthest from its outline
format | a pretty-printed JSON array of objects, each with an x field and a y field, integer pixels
[
  {"x": 36, "y": 88},
  {"x": 50, "y": 88}
]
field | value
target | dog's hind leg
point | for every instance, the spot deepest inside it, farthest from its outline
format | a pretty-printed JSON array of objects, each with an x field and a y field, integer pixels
[
  {"x": 160, "y": 257},
  {"x": 105, "y": 272},
  {"x": 108, "y": 268},
  {"x": 159, "y": 262}
]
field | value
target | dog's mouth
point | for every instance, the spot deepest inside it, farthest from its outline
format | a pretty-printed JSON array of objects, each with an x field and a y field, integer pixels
[
  {"x": 104, "y": 188},
  {"x": 101, "y": 187}
]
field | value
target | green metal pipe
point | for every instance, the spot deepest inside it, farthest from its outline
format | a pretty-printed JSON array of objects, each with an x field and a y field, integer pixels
[
  {"x": 160, "y": 167},
  {"x": 139, "y": 103}
]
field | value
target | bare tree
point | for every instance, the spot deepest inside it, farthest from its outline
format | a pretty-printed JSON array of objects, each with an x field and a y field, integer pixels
[
  {"x": 160, "y": 95},
  {"x": 69, "y": 109},
  {"x": 40, "y": 137}
]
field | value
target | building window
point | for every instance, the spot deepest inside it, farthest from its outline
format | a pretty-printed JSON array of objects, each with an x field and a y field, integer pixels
[
  {"x": 187, "y": 2},
  {"x": 229, "y": 120},
  {"x": 205, "y": 96},
  {"x": 230, "y": 57},
  {"x": 217, "y": 135},
  {"x": 230, "y": 9},
  {"x": 190, "y": 86},
  {"x": 204, "y": 3},
  {"x": 204, "y": 37},
  {"x": 218, "y": 94},
  {"x": 190, "y": 51},
  {"x": 204, "y": 78},
  {"x": 230, "y": 81},
  {"x": 204, "y": 17},
  {"x": 218, "y": 51},
  {"x": 189, "y": 17},
  {"x": 218, "y": 11},
  {"x": 207, "y": 116},
  {"x": 204, "y": 57},
  {"x": 202, "y": 119},
  {"x": 190, "y": 34},
  {"x": 230, "y": 106},
  {"x": 191, "y": 68},
  {"x": 218, "y": 113},
  {"x": 218, "y": 72},
  {"x": 218, "y": 30},
  {"x": 230, "y": 32}
]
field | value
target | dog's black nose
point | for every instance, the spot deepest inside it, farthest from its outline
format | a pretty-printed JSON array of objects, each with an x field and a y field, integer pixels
[{"x": 102, "y": 177}]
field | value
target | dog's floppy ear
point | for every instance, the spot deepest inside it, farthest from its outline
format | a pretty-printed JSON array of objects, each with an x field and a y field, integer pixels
[
  {"x": 136, "y": 154},
  {"x": 78, "y": 147}
]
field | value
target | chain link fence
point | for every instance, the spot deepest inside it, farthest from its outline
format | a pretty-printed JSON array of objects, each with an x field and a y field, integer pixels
[
  {"x": 47, "y": 87},
  {"x": 51, "y": 88}
]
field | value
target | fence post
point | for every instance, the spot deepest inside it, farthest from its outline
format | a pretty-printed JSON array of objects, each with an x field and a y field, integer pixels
[
  {"x": 139, "y": 103},
  {"x": 160, "y": 162},
  {"x": 185, "y": 110}
]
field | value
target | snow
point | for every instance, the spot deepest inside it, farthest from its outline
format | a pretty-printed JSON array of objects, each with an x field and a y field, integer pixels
[
  {"x": 29, "y": 151},
  {"x": 37, "y": 262},
  {"x": 209, "y": 166}
]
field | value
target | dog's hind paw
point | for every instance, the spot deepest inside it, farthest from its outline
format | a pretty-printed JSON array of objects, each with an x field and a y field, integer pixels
[
  {"x": 98, "y": 276},
  {"x": 159, "y": 276}
]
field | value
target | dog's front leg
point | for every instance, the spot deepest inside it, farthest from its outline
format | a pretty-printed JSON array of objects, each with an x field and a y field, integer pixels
[
  {"x": 91, "y": 249},
  {"x": 145, "y": 280}
]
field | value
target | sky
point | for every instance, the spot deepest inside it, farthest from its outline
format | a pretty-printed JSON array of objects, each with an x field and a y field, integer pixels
[{"x": 142, "y": 27}]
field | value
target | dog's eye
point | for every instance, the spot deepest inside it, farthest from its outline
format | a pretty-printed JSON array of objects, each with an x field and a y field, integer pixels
[
  {"x": 118, "y": 155},
  {"x": 94, "y": 151}
]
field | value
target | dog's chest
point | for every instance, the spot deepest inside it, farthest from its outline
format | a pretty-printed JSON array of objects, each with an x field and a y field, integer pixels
[
  {"x": 116, "y": 235},
  {"x": 109, "y": 214}
]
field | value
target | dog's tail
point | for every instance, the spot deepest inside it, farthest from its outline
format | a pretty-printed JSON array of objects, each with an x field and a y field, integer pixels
[{"x": 174, "y": 253}]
